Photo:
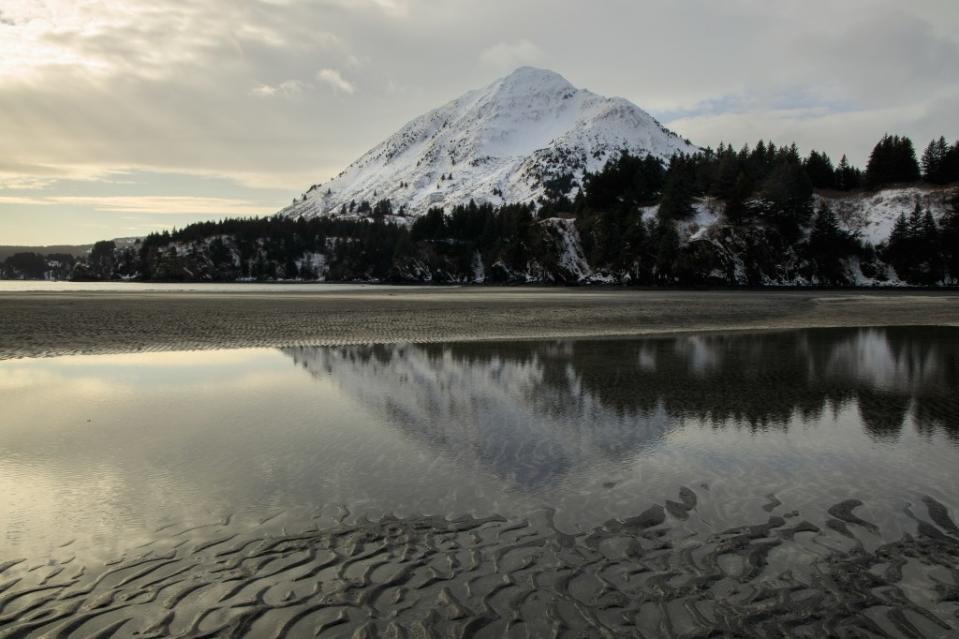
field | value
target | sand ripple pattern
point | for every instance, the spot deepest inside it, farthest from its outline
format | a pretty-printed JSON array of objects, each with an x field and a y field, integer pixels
[
  {"x": 50, "y": 324},
  {"x": 646, "y": 576}
]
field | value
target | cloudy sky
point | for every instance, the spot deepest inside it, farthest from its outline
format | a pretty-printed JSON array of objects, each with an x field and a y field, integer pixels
[{"x": 122, "y": 116}]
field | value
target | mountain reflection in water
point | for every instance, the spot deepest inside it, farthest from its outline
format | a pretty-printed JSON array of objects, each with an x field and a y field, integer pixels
[
  {"x": 767, "y": 484},
  {"x": 555, "y": 402}
]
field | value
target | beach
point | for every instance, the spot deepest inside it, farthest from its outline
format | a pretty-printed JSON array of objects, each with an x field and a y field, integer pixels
[
  {"x": 36, "y": 324},
  {"x": 288, "y": 462}
]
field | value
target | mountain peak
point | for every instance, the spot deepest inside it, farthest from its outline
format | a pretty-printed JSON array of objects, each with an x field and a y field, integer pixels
[
  {"x": 523, "y": 135},
  {"x": 535, "y": 77}
]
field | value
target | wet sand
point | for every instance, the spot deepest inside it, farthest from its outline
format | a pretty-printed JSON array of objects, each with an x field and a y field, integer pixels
[
  {"x": 47, "y": 324},
  {"x": 649, "y": 575},
  {"x": 683, "y": 567}
]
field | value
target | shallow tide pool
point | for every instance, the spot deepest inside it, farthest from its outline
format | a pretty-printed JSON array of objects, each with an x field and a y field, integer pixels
[{"x": 588, "y": 487}]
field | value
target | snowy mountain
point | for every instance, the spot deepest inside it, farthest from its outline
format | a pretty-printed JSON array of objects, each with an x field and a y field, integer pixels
[{"x": 504, "y": 143}]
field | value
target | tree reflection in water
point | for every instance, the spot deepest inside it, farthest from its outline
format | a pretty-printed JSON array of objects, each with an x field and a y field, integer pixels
[{"x": 513, "y": 402}]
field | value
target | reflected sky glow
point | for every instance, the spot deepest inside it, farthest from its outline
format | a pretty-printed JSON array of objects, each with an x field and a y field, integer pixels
[{"x": 108, "y": 448}]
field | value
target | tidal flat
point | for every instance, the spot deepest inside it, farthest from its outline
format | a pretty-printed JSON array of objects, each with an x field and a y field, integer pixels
[
  {"x": 767, "y": 483},
  {"x": 82, "y": 318}
]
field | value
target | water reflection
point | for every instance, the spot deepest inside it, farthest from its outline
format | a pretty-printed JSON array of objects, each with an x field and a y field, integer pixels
[
  {"x": 615, "y": 396},
  {"x": 108, "y": 448},
  {"x": 617, "y": 484}
]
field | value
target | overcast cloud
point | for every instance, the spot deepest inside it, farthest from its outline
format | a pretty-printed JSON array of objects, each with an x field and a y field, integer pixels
[{"x": 119, "y": 116}]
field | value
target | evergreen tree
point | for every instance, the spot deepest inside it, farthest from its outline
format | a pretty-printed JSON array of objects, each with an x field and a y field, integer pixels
[
  {"x": 914, "y": 225},
  {"x": 635, "y": 237},
  {"x": 290, "y": 270},
  {"x": 898, "y": 239},
  {"x": 787, "y": 199},
  {"x": 819, "y": 168},
  {"x": 828, "y": 246},
  {"x": 382, "y": 209},
  {"x": 667, "y": 250},
  {"x": 431, "y": 226},
  {"x": 893, "y": 160},
  {"x": 934, "y": 162},
  {"x": 727, "y": 173},
  {"x": 914, "y": 249},
  {"x": 102, "y": 260},
  {"x": 847, "y": 177},
  {"x": 678, "y": 191},
  {"x": 626, "y": 179},
  {"x": 950, "y": 236},
  {"x": 950, "y": 165},
  {"x": 220, "y": 255},
  {"x": 737, "y": 208},
  {"x": 606, "y": 241},
  {"x": 930, "y": 251},
  {"x": 27, "y": 266}
]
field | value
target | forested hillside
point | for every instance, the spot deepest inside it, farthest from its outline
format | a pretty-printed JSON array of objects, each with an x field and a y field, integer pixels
[{"x": 755, "y": 216}]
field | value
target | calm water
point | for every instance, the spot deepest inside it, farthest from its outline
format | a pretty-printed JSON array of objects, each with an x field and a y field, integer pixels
[
  {"x": 104, "y": 457},
  {"x": 23, "y": 286}
]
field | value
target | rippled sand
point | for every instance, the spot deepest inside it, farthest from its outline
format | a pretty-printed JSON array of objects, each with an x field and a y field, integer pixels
[
  {"x": 42, "y": 324},
  {"x": 694, "y": 565},
  {"x": 662, "y": 572}
]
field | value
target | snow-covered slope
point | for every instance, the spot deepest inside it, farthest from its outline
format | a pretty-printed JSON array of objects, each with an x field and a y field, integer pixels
[
  {"x": 872, "y": 215},
  {"x": 502, "y": 143}
]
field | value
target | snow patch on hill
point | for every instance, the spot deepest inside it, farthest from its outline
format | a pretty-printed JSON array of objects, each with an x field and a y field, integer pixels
[{"x": 872, "y": 215}]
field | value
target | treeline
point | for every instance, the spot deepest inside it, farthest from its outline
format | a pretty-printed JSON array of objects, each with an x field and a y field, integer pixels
[
  {"x": 630, "y": 222},
  {"x": 922, "y": 251},
  {"x": 767, "y": 196},
  {"x": 766, "y": 171},
  {"x": 519, "y": 243},
  {"x": 280, "y": 247},
  {"x": 29, "y": 265}
]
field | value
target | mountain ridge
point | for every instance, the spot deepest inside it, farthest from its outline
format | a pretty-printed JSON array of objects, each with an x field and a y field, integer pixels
[{"x": 511, "y": 141}]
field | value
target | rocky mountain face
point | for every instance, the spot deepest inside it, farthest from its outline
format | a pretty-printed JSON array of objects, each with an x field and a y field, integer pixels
[{"x": 525, "y": 135}]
